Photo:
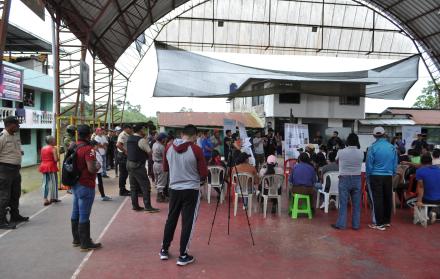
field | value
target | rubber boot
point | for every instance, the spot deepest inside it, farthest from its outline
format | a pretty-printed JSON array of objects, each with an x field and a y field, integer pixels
[
  {"x": 134, "y": 201},
  {"x": 147, "y": 203},
  {"x": 75, "y": 233},
  {"x": 84, "y": 235}
]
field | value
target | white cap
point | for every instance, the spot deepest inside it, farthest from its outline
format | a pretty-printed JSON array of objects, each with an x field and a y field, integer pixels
[
  {"x": 117, "y": 129},
  {"x": 378, "y": 131}
]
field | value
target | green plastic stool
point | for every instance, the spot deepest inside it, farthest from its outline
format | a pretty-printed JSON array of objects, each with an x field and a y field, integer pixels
[{"x": 294, "y": 209}]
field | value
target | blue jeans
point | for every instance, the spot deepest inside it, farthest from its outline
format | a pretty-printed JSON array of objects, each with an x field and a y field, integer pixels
[
  {"x": 349, "y": 186},
  {"x": 83, "y": 198}
]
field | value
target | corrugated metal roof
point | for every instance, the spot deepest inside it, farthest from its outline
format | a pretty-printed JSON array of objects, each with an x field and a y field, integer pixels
[
  {"x": 336, "y": 28},
  {"x": 206, "y": 119},
  {"x": 420, "y": 116},
  {"x": 255, "y": 26},
  {"x": 20, "y": 40},
  {"x": 387, "y": 122},
  {"x": 110, "y": 25}
]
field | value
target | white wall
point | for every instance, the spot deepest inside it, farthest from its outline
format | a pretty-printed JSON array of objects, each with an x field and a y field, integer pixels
[{"x": 313, "y": 106}]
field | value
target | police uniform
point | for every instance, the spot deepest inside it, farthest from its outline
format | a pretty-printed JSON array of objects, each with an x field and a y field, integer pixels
[
  {"x": 137, "y": 156},
  {"x": 10, "y": 178},
  {"x": 121, "y": 157},
  {"x": 159, "y": 174}
]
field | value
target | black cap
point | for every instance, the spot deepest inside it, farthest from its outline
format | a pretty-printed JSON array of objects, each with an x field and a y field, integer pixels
[
  {"x": 138, "y": 127},
  {"x": 126, "y": 126},
  {"x": 84, "y": 130},
  {"x": 11, "y": 120}
]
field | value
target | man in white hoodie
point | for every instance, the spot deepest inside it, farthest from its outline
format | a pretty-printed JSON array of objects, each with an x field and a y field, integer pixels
[{"x": 186, "y": 164}]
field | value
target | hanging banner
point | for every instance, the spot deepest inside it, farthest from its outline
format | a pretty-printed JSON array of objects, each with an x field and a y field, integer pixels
[
  {"x": 296, "y": 137},
  {"x": 409, "y": 134},
  {"x": 11, "y": 83}
]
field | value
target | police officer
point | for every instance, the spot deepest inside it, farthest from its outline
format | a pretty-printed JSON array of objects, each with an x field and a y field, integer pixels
[
  {"x": 159, "y": 174},
  {"x": 138, "y": 152},
  {"x": 69, "y": 138},
  {"x": 10, "y": 178},
  {"x": 121, "y": 156}
]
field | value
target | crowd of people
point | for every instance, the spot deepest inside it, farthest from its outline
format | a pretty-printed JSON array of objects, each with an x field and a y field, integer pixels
[{"x": 179, "y": 166}]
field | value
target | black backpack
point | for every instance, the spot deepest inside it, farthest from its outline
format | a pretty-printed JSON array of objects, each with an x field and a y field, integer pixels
[{"x": 70, "y": 173}]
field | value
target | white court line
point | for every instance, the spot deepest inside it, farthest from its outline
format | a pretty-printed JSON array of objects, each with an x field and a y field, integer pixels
[
  {"x": 30, "y": 218},
  {"x": 89, "y": 254}
]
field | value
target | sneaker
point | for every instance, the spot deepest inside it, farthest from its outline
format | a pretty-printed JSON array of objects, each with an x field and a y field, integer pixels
[
  {"x": 185, "y": 260},
  {"x": 106, "y": 198},
  {"x": 138, "y": 208},
  {"x": 19, "y": 219},
  {"x": 164, "y": 254},
  {"x": 433, "y": 217},
  {"x": 387, "y": 225},
  {"x": 336, "y": 227},
  {"x": 124, "y": 193},
  {"x": 376, "y": 227}
]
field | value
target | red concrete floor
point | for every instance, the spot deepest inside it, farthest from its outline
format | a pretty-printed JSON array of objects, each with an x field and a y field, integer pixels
[{"x": 284, "y": 248}]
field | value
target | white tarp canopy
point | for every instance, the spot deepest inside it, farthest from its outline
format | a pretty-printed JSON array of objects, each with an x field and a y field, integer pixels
[{"x": 186, "y": 74}]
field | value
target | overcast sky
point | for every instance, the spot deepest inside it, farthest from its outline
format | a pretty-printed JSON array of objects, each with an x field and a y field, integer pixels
[{"x": 142, "y": 83}]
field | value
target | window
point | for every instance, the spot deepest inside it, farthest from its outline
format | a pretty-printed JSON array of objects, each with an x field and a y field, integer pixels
[
  {"x": 290, "y": 98},
  {"x": 28, "y": 97},
  {"x": 257, "y": 100},
  {"x": 25, "y": 136},
  {"x": 349, "y": 100}
]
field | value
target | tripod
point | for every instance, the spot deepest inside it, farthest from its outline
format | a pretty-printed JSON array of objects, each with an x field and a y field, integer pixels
[{"x": 231, "y": 164}]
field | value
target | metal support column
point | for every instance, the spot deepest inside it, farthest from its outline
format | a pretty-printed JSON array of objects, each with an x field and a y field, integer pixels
[{"x": 102, "y": 88}]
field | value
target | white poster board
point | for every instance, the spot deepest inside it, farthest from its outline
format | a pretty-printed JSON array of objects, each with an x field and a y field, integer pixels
[
  {"x": 366, "y": 141},
  {"x": 229, "y": 124},
  {"x": 296, "y": 136},
  {"x": 242, "y": 131},
  {"x": 409, "y": 134}
]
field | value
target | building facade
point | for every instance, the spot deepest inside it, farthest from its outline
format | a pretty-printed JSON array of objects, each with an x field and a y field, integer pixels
[
  {"x": 35, "y": 110},
  {"x": 321, "y": 113}
]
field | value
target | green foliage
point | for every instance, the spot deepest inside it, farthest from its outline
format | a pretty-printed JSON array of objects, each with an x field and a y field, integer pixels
[
  {"x": 132, "y": 113},
  {"x": 184, "y": 109},
  {"x": 429, "y": 97}
]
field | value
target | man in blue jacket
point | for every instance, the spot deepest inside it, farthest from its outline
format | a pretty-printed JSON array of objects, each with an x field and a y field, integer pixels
[{"x": 380, "y": 167}]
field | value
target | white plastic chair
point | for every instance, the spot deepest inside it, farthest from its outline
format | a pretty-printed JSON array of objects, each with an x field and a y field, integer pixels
[
  {"x": 216, "y": 174},
  {"x": 246, "y": 181},
  {"x": 271, "y": 183},
  {"x": 334, "y": 190}
]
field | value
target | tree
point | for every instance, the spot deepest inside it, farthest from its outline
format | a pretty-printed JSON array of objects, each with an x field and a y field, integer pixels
[
  {"x": 429, "y": 99},
  {"x": 184, "y": 109}
]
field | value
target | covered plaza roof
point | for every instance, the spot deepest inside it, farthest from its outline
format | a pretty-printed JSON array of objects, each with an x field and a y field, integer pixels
[
  {"x": 20, "y": 40},
  {"x": 369, "y": 28}
]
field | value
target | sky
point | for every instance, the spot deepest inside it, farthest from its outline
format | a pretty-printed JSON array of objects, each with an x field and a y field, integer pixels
[{"x": 142, "y": 83}]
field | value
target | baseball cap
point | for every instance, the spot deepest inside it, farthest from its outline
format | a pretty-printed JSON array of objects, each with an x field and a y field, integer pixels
[
  {"x": 272, "y": 159},
  {"x": 379, "y": 131},
  {"x": 84, "y": 130},
  {"x": 311, "y": 146},
  {"x": 161, "y": 136},
  {"x": 118, "y": 128},
  {"x": 11, "y": 120}
]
